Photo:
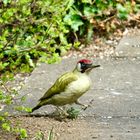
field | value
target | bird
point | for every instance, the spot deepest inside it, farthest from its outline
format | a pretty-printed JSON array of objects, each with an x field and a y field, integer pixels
[{"x": 69, "y": 87}]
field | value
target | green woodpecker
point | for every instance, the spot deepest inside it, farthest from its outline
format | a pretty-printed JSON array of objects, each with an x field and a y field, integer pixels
[{"x": 69, "y": 87}]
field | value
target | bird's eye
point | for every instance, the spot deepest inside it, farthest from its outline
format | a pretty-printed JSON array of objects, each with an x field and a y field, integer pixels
[{"x": 83, "y": 64}]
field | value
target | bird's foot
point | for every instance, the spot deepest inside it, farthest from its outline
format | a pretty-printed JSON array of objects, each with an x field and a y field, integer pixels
[
  {"x": 89, "y": 105},
  {"x": 84, "y": 107},
  {"x": 66, "y": 113}
]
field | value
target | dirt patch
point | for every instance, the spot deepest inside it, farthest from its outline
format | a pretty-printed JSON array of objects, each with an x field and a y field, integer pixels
[{"x": 64, "y": 130}]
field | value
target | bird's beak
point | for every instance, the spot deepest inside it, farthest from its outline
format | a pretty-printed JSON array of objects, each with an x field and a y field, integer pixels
[
  {"x": 90, "y": 67},
  {"x": 95, "y": 66}
]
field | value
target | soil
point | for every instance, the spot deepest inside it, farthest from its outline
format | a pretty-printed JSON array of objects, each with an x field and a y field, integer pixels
[{"x": 61, "y": 130}]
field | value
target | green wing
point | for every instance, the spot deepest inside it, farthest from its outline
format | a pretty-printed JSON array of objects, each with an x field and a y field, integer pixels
[{"x": 60, "y": 85}]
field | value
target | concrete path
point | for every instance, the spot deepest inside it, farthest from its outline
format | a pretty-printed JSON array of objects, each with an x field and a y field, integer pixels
[
  {"x": 115, "y": 90},
  {"x": 115, "y": 111},
  {"x": 129, "y": 45}
]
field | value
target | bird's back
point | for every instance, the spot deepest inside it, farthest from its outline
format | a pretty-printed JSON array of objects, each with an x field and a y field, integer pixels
[{"x": 60, "y": 85}]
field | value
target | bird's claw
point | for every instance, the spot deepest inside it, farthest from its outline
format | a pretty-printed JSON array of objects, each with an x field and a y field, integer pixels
[{"x": 85, "y": 107}]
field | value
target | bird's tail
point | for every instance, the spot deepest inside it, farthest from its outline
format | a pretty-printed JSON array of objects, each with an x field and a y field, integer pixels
[{"x": 35, "y": 108}]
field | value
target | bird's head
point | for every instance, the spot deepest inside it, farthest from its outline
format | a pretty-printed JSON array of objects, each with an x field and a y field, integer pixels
[{"x": 85, "y": 66}]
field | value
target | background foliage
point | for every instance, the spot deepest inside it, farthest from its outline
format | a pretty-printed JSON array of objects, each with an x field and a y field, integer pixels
[
  {"x": 34, "y": 30},
  {"x": 43, "y": 30}
]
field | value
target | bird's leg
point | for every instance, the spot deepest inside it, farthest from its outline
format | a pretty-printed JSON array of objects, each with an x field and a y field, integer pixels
[
  {"x": 78, "y": 103},
  {"x": 59, "y": 108},
  {"x": 62, "y": 111},
  {"x": 84, "y": 107}
]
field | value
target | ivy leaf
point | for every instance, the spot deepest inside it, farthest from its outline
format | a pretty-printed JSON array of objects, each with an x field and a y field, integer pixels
[
  {"x": 73, "y": 113},
  {"x": 74, "y": 21},
  {"x": 122, "y": 11}
]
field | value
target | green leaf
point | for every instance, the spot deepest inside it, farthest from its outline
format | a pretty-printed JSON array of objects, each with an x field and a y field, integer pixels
[
  {"x": 73, "y": 113},
  {"x": 89, "y": 11},
  {"x": 87, "y": 1},
  {"x": 6, "y": 126},
  {"x": 2, "y": 96},
  {"x": 51, "y": 135},
  {"x": 23, "y": 98},
  {"x": 63, "y": 39},
  {"x": 23, "y": 108},
  {"x": 6, "y": 1},
  {"x": 70, "y": 3},
  {"x": 76, "y": 44},
  {"x": 39, "y": 135},
  {"x": 2, "y": 118},
  {"x": 23, "y": 133},
  {"x": 122, "y": 11},
  {"x": 74, "y": 21}
]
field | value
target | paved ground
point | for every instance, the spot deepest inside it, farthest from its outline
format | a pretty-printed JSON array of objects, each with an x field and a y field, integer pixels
[
  {"x": 115, "y": 111},
  {"x": 116, "y": 86},
  {"x": 129, "y": 45}
]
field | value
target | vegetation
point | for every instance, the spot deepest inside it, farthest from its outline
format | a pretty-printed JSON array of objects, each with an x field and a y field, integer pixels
[{"x": 43, "y": 30}]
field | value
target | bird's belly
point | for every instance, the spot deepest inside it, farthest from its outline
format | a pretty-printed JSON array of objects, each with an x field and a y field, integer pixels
[
  {"x": 72, "y": 92},
  {"x": 79, "y": 86}
]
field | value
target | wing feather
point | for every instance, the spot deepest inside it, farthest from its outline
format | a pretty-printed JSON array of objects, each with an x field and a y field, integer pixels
[{"x": 60, "y": 85}]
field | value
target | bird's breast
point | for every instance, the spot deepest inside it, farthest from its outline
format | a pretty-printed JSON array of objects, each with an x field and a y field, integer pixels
[{"x": 80, "y": 86}]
